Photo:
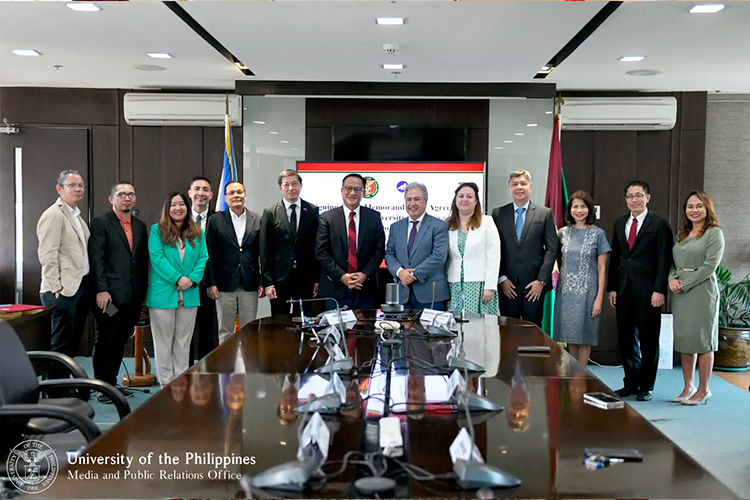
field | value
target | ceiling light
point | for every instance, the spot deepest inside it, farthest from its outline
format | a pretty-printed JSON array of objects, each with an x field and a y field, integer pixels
[
  {"x": 707, "y": 8},
  {"x": 548, "y": 112},
  {"x": 259, "y": 122},
  {"x": 83, "y": 7},
  {"x": 284, "y": 142},
  {"x": 643, "y": 72},
  {"x": 631, "y": 58},
  {"x": 519, "y": 133},
  {"x": 498, "y": 147},
  {"x": 274, "y": 133},
  {"x": 546, "y": 69},
  {"x": 159, "y": 55},
  {"x": 508, "y": 142},
  {"x": 148, "y": 67},
  {"x": 393, "y": 66},
  {"x": 389, "y": 21},
  {"x": 531, "y": 124},
  {"x": 26, "y": 52}
]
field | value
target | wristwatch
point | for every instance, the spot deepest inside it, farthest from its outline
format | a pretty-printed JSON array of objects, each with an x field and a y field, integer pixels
[{"x": 543, "y": 282}]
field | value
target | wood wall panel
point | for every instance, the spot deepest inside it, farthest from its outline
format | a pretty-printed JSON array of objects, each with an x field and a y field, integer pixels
[
  {"x": 105, "y": 167},
  {"x": 213, "y": 153},
  {"x": 654, "y": 153},
  {"x": 318, "y": 144},
  {"x": 60, "y": 106},
  {"x": 125, "y": 147},
  {"x": 578, "y": 161}
]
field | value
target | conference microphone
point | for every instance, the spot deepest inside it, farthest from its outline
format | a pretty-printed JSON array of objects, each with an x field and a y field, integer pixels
[
  {"x": 468, "y": 464},
  {"x": 335, "y": 364},
  {"x": 135, "y": 212},
  {"x": 459, "y": 361}
]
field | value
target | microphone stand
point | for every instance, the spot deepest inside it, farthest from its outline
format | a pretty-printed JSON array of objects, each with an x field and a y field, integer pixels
[{"x": 342, "y": 365}]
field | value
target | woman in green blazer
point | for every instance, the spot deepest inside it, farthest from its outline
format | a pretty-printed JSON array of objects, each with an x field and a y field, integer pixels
[{"x": 178, "y": 258}]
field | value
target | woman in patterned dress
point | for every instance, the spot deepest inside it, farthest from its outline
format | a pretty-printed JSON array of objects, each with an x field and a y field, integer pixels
[
  {"x": 580, "y": 287},
  {"x": 474, "y": 254}
]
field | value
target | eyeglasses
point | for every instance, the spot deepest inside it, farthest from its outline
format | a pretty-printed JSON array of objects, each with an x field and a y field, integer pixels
[
  {"x": 74, "y": 186},
  {"x": 350, "y": 189},
  {"x": 122, "y": 196},
  {"x": 638, "y": 196},
  {"x": 232, "y": 193}
]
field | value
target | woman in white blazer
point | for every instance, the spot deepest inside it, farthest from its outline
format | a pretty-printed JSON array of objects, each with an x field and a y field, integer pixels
[{"x": 474, "y": 254}]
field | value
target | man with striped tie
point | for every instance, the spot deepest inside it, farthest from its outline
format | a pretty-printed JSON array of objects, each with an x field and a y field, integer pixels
[{"x": 350, "y": 247}]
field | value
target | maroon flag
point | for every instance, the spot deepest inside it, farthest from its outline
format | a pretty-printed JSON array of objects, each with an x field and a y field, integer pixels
[{"x": 555, "y": 196}]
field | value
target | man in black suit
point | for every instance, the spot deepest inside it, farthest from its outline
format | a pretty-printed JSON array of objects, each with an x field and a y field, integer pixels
[
  {"x": 350, "y": 247},
  {"x": 528, "y": 249},
  {"x": 233, "y": 242},
  {"x": 637, "y": 284},
  {"x": 118, "y": 254},
  {"x": 287, "y": 246},
  {"x": 200, "y": 195}
]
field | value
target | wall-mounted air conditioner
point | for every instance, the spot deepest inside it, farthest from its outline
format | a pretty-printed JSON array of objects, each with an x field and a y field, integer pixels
[
  {"x": 619, "y": 113},
  {"x": 196, "y": 110}
]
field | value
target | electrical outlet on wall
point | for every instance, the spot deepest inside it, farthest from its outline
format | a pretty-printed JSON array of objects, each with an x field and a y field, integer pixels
[{"x": 597, "y": 209}]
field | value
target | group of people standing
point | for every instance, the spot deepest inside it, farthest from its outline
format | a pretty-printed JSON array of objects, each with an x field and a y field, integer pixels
[{"x": 204, "y": 264}]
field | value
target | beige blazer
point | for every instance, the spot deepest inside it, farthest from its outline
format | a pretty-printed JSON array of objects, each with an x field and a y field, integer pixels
[{"x": 61, "y": 252}]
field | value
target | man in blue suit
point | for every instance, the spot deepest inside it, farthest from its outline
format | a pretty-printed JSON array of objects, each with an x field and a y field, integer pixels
[{"x": 416, "y": 253}]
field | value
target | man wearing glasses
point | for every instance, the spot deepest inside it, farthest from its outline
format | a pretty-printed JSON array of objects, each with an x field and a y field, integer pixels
[
  {"x": 63, "y": 240},
  {"x": 350, "y": 247},
  {"x": 637, "y": 284},
  {"x": 118, "y": 253}
]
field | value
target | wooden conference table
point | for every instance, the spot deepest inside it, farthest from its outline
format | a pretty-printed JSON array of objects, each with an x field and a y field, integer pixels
[{"x": 231, "y": 404}]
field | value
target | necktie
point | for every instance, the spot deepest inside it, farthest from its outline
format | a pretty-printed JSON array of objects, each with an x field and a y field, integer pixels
[
  {"x": 293, "y": 221},
  {"x": 198, "y": 220},
  {"x": 412, "y": 237},
  {"x": 519, "y": 222},
  {"x": 633, "y": 232},
  {"x": 352, "y": 266}
]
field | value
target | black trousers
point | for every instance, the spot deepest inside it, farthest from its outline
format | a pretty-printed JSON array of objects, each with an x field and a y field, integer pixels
[
  {"x": 520, "y": 307},
  {"x": 112, "y": 333},
  {"x": 296, "y": 289},
  {"x": 205, "y": 322},
  {"x": 638, "y": 329},
  {"x": 68, "y": 321}
]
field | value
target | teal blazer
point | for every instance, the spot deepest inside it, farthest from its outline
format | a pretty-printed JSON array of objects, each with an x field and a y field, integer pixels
[{"x": 167, "y": 268}]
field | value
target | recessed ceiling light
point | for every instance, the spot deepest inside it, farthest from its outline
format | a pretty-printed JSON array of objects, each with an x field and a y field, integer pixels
[
  {"x": 389, "y": 21},
  {"x": 531, "y": 124},
  {"x": 159, "y": 55},
  {"x": 26, "y": 52},
  {"x": 83, "y": 7},
  {"x": 548, "y": 112},
  {"x": 259, "y": 122},
  {"x": 631, "y": 58},
  {"x": 498, "y": 147},
  {"x": 707, "y": 8},
  {"x": 508, "y": 142},
  {"x": 284, "y": 142},
  {"x": 393, "y": 66},
  {"x": 518, "y": 133},
  {"x": 274, "y": 133},
  {"x": 546, "y": 69}
]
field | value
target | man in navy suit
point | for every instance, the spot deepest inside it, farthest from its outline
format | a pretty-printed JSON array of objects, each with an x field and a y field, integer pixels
[
  {"x": 350, "y": 247},
  {"x": 416, "y": 253}
]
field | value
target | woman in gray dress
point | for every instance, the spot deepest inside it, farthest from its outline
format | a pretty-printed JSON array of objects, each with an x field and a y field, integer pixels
[
  {"x": 580, "y": 287},
  {"x": 697, "y": 252}
]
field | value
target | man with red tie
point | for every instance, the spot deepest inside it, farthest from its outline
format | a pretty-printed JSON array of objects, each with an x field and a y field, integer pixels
[
  {"x": 350, "y": 247},
  {"x": 637, "y": 284}
]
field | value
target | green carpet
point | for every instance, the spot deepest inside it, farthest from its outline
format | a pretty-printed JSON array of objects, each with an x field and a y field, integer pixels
[{"x": 716, "y": 435}]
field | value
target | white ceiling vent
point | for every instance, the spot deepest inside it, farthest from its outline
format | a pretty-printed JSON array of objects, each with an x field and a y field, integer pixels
[
  {"x": 194, "y": 110},
  {"x": 619, "y": 113}
]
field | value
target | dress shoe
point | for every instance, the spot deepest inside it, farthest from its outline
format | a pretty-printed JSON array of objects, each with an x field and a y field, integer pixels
[
  {"x": 625, "y": 392},
  {"x": 698, "y": 402},
  {"x": 103, "y": 398},
  {"x": 125, "y": 391},
  {"x": 680, "y": 399},
  {"x": 645, "y": 396}
]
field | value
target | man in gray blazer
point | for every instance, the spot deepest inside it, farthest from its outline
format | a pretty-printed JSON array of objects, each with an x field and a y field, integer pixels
[
  {"x": 416, "y": 253},
  {"x": 528, "y": 246}
]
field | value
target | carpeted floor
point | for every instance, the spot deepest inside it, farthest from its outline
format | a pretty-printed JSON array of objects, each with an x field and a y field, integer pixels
[{"x": 716, "y": 435}]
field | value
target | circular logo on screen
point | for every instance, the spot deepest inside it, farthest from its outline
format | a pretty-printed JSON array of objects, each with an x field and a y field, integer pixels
[
  {"x": 371, "y": 187},
  {"x": 401, "y": 186},
  {"x": 32, "y": 466}
]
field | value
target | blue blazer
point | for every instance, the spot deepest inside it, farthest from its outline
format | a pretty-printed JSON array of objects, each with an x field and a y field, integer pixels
[
  {"x": 167, "y": 268},
  {"x": 428, "y": 258}
]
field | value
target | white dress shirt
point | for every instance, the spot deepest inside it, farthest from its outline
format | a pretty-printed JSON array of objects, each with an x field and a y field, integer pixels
[
  {"x": 515, "y": 219},
  {"x": 298, "y": 203},
  {"x": 75, "y": 213},
  {"x": 356, "y": 220},
  {"x": 204, "y": 217},
  {"x": 239, "y": 221},
  {"x": 629, "y": 223}
]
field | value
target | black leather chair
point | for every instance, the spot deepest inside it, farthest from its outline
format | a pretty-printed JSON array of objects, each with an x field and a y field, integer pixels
[{"x": 23, "y": 413}]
